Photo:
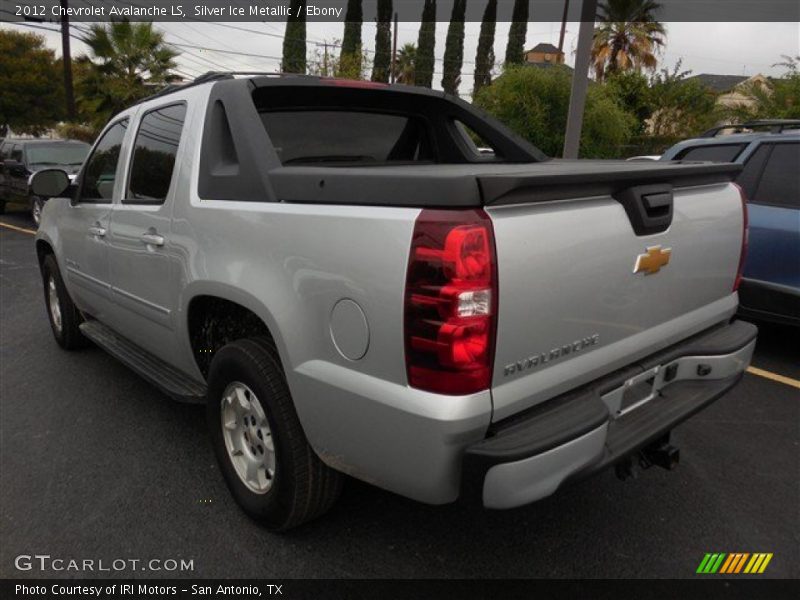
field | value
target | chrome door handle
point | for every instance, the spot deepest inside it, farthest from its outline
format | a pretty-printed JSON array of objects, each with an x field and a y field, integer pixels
[
  {"x": 152, "y": 239},
  {"x": 97, "y": 230}
]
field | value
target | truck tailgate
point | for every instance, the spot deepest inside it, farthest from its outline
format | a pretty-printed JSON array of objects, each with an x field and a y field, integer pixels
[{"x": 571, "y": 307}]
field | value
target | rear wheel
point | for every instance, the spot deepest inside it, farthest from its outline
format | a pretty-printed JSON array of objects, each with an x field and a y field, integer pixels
[
  {"x": 268, "y": 464},
  {"x": 64, "y": 317}
]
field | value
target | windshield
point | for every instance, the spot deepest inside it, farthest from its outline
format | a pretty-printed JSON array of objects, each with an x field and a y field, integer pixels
[{"x": 57, "y": 154}]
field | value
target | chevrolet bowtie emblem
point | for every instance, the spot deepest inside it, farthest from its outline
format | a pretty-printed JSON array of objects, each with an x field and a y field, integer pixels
[{"x": 651, "y": 261}]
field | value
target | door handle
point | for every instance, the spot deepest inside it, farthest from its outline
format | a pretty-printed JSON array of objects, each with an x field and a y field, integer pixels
[
  {"x": 152, "y": 239},
  {"x": 97, "y": 230}
]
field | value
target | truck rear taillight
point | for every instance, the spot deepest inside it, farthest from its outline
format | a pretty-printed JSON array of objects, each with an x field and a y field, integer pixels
[
  {"x": 451, "y": 302},
  {"x": 745, "y": 235}
]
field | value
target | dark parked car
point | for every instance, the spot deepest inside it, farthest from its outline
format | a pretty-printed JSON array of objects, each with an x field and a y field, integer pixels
[
  {"x": 770, "y": 153},
  {"x": 21, "y": 158}
]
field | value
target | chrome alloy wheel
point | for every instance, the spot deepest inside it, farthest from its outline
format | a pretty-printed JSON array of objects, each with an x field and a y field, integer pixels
[
  {"x": 36, "y": 211},
  {"x": 248, "y": 438},
  {"x": 55, "y": 306}
]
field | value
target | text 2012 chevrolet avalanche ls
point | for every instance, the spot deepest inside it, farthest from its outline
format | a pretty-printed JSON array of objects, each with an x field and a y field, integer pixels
[{"x": 351, "y": 286}]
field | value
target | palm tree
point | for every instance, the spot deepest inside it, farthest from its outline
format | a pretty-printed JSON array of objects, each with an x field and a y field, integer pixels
[
  {"x": 628, "y": 38},
  {"x": 404, "y": 69},
  {"x": 127, "y": 62}
]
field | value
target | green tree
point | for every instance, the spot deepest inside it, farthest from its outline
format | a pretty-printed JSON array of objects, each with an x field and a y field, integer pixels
[
  {"x": 405, "y": 64},
  {"x": 484, "y": 58},
  {"x": 32, "y": 97},
  {"x": 382, "y": 64},
  {"x": 294, "y": 40},
  {"x": 353, "y": 65},
  {"x": 351, "y": 43},
  {"x": 779, "y": 99},
  {"x": 454, "y": 48},
  {"x": 632, "y": 91},
  {"x": 681, "y": 107},
  {"x": 627, "y": 38},
  {"x": 426, "y": 45},
  {"x": 326, "y": 63},
  {"x": 534, "y": 103},
  {"x": 127, "y": 62},
  {"x": 515, "y": 48}
]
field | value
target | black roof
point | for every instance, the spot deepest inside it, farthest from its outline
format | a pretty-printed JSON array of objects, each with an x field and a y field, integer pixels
[
  {"x": 545, "y": 47},
  {"x": 719, "y": 83}
]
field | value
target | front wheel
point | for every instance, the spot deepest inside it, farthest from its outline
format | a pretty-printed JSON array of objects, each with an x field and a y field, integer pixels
[
  {"x": 64, "y": 317},
  {"x": 268, "y": 464}
]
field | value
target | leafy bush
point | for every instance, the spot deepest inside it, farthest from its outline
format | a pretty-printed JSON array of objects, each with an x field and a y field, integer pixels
[
  {"x": 534, "y": 103},
  {"x": 77, "y": 131},
  {"x": 680, "y": 107},
  {"x": 632, "y": 91}
]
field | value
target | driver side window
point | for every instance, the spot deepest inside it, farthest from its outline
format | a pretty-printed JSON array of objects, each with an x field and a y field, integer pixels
[{"x": 100, "y": 172}]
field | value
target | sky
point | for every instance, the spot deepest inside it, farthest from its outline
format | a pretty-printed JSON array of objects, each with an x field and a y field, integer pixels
[{"x": 719, "y": 48}]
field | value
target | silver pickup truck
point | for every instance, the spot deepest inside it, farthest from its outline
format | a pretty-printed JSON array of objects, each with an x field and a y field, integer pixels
[{"x": 352, "y": 287}]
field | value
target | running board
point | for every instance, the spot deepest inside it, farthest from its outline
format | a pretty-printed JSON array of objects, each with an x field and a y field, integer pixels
[{"x": 168, "y": 379}]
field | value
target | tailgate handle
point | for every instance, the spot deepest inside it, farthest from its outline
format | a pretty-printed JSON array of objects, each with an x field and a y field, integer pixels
[{"x": 649, "y": 207}]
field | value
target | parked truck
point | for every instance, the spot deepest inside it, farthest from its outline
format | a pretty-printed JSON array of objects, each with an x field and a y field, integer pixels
[{"x": 352, "y": 284}]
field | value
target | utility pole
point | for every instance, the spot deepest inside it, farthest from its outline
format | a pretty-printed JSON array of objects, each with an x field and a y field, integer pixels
[
  {"x": 66, "y": 58},
  {"x": 563, "y": 27},
  {"x": 393, "y": 76},
  {"x": 580, "y": 80}
]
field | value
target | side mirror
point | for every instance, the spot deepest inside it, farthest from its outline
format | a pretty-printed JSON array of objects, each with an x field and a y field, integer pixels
[{"x": 49, "y": 183}]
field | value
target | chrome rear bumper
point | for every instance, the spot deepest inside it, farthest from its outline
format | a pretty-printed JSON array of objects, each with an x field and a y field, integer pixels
[{"x": 529, "y": 456}]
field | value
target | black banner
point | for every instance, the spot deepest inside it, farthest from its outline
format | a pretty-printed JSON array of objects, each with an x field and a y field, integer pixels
[
  {"x": 319, "y": 589},
  {"x": 334, "y": 10}
]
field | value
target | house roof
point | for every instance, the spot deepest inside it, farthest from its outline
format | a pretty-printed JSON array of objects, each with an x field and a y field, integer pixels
[
  {"x": 545, "y": 47},
  {"x": 719, "y": 83}
]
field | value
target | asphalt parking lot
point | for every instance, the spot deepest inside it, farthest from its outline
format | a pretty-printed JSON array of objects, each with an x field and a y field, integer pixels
[{"x": 95, "y": 463}]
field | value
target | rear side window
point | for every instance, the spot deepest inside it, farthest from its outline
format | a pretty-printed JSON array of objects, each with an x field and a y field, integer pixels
[
  {"x": 751, "y": 173},
  {"x": 476, "y": 143},
  {"x": 715, "y": 153},
  {"x": 780, "y": 182},
  {"x": 333, "y": 137},
  {"x": 154, "y": 155},
  {"x": 16, "y": 153},
  {"x": 100, "y": 171}
]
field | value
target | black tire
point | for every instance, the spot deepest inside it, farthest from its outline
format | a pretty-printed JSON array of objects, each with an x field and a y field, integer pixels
[
  {"x": 303, "y": 487},
  {"x": 68, "y": 335}
]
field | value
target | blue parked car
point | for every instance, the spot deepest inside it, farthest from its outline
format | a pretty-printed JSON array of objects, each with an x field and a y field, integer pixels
[{"x": 770, "y": 288}]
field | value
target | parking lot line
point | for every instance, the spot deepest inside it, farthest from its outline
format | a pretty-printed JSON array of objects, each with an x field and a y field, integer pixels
[
  {"x": 15, "y": 228},
  {"x": 752, "y": 370},
  {"x": 774, "y": 377}
]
